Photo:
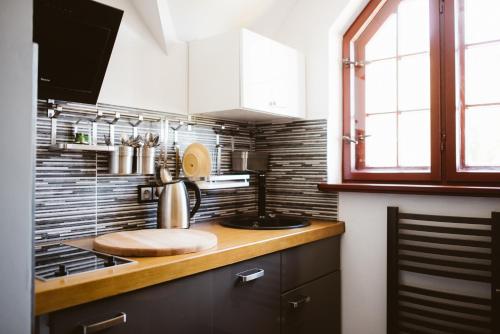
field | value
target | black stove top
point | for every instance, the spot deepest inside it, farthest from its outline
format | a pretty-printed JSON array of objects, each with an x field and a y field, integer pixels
[{"x": 56, "y": 260}]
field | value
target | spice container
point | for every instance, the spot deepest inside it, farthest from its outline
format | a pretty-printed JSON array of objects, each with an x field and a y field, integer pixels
[
  {"x": 126, "y": 159},
  {"x": 82, "y": 138},
  {"x": 114, "y": 162}
]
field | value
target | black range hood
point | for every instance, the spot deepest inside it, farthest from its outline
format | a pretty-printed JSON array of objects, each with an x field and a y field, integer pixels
[{"x": 75, "y": 41}]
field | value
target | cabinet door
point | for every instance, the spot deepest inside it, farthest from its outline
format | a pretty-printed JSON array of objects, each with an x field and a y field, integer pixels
[
  {"x": 313, "y": 307},
  {"x": 305, "y": 263},
  {"x": 182, "y": 307},
  {"x": 288, "y": 77},
  {"x": 256, "y": 72},
  {"x": 273, "y": 76},
  {"x": 282, "y": 77},
  {"x": 252, "y": 306}
]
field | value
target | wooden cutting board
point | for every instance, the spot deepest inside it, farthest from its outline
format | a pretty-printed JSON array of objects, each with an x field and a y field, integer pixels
[{"x": 152, "y": 242}]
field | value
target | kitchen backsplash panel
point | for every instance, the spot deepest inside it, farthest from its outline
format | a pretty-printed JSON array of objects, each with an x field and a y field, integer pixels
[
  {"x": 76, "y": 197},
  {"x": 297, "y": 163}
]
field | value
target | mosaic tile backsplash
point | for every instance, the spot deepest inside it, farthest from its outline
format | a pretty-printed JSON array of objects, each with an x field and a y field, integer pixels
[
  {"x": 76, "y": 197},
  {"x": 297, "y": 163}
]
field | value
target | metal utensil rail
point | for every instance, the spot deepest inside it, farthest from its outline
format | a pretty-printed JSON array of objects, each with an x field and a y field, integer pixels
[{"x": 97, "y": 114}]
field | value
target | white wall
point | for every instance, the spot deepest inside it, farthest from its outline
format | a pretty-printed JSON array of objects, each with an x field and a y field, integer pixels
[
  {"x": 140, "y": 74},
  {"x": 16, "y": 168},
  {"x": 364, "y": 249}
]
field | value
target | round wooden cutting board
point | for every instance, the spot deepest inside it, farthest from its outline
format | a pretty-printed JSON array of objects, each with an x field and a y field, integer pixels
[{"x": 152, "y": 242}]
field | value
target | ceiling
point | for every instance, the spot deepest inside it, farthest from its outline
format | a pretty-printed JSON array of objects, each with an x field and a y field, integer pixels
[
  {"x": 196, "y": 19},
  {"x": 187, "y": 20}
]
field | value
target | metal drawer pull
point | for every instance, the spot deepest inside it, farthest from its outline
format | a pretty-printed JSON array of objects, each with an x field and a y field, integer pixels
[
  {"x": 300, "y": 301},
  {"x": 250, "y": 275},
  {"x": 105, "y": 324},
  {"x": 497, "y": 290}
]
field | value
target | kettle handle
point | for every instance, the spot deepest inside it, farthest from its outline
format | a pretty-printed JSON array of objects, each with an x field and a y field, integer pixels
[{"x": 194, "y": 187}]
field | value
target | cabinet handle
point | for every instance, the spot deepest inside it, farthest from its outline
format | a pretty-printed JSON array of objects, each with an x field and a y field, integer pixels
[
  {"x": 301, "y": 300},
  {"x": 105, "y": 324},
  {"x": 250, "y": 275}
]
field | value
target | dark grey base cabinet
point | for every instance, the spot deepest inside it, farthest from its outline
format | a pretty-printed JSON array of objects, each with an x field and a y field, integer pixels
[
  {"x": 181, "y": 306},
  {"x": 313, "y": 307},
  {"x": 248, "y": 307},
  {"x": 296, "y": 291}
]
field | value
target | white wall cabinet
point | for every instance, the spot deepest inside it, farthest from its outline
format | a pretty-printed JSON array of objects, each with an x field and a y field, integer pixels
[{"x": 245, "y": 76}]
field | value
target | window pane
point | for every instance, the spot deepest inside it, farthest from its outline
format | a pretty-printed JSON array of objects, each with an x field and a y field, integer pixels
[
  {"x": 392, "y": 89},
  {"x": 383, "y": 43},
  {"x": 482, "y": 137},
  {"x": 381, "y": 144},
  {"x": 414, "y": 139},
  {"x": 482, "y": 73},
  {"x": 481, "y": 20},
  {"x": 413, "y": 26},
  {"x": 380, "y": 86},
  {"x": 414, "y": 82}
]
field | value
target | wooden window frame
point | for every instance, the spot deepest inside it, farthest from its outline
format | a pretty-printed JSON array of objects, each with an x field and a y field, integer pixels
[
  {"x": 444, "y": 169},
  {"x": 456, "y": 171}
]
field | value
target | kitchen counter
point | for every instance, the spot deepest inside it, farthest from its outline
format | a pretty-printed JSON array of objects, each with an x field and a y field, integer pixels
[{"x": 234, "y": 245}]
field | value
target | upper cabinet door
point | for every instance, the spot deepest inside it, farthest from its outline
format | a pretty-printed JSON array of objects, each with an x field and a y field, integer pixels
[
  {"x": 287, "y": 77},
  {"x": 271, "y": 76},
  {"x": 256, "y": 72}
]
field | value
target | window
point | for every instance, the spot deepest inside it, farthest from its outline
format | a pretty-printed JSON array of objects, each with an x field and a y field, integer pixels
[{"x": 421, "y": 92}]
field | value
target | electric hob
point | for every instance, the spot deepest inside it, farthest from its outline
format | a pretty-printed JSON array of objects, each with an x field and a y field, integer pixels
[{"x": 57, "y": 260}]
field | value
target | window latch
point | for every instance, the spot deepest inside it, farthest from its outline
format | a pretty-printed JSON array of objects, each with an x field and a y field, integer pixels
[
  {"x": 356, "y": 140},
  {"x": 349, "y": 140},
  {"x": 355, "y": 63}
]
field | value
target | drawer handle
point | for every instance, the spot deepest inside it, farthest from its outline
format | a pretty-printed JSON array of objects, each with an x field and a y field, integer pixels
[
  {"x": 300, "y": 301},
  {"x": 250, "y": 275},
  {"x": 105, "y": 324}
]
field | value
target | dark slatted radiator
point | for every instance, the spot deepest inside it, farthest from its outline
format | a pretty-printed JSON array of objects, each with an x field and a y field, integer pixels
[{"x": 442, "y": 274}]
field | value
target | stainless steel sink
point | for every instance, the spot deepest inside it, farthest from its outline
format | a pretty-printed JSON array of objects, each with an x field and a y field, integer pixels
[{"x": 267, "y": 223}]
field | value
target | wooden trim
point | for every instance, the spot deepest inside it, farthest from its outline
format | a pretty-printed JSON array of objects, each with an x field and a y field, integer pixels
[
  {"x": 349, "y": 37},
  {"x": 413, "y": 189},
  {"x": 447, "y": 162},
  {"x": 456, "y": 171}
]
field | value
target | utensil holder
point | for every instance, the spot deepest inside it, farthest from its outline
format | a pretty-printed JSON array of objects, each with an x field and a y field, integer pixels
[
  {"x": 126, "y": 159},
  {"x": 148, "y": 160},
  {"x": 139, "y": 151},
  {"x": 114, "y": 162},
  {"x": 239, "y": 160}
]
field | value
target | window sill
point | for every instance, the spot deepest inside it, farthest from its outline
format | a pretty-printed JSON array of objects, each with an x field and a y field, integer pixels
[{"x": 414, "y": 189}]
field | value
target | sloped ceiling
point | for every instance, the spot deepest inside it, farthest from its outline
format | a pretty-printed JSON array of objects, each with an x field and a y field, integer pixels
[
  {"x": 186, "y": 20},
  {"x": 156, "y": 16},
  {"x": 197, "y": 19}
]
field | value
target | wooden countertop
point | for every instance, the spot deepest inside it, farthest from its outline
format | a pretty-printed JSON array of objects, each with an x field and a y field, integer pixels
[{"x": 234, "y": 245}]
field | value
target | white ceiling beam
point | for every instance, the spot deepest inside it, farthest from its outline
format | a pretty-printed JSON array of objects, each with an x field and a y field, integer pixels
[{"x": 156, "y": 16}]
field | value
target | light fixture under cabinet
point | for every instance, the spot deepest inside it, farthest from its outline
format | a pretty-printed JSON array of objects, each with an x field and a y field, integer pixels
[{"x": 224, "y": 181}]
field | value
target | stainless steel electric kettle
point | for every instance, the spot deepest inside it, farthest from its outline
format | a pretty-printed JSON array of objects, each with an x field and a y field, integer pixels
[{"x": 173, "y": 206}]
